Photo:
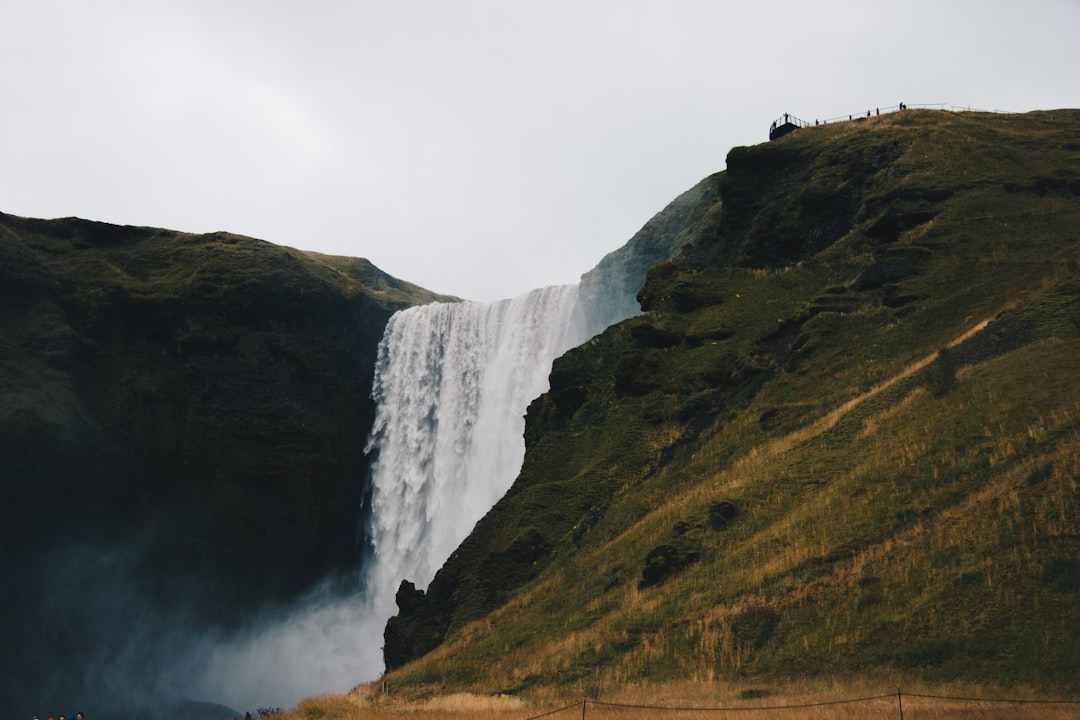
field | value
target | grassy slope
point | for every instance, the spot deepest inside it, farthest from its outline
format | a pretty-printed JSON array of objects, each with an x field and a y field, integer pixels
[{"x": 775, "y": 473}]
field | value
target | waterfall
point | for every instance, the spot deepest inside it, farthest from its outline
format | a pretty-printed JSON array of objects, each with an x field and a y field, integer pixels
[{"x": 452, "y": 383}]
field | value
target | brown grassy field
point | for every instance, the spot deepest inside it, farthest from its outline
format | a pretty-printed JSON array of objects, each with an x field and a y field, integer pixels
[{"x": 694, "y": 701}]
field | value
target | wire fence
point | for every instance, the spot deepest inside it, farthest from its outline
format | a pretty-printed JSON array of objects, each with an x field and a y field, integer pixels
[{"x": 890, "y": 705}]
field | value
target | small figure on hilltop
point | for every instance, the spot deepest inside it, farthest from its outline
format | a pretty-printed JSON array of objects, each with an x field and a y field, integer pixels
[{"x": 877, "y": 111}]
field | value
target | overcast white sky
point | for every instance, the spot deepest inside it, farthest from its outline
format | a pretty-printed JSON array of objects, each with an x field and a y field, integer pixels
[{"x": 475, "y": 147}]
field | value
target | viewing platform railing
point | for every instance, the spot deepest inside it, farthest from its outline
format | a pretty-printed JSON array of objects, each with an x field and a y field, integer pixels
[{"x": 788, "y": 122}]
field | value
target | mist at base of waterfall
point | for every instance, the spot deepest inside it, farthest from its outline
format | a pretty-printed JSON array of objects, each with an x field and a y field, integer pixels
[{"x": 453, "y": 382}]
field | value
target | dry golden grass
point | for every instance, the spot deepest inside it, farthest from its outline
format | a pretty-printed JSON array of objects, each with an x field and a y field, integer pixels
[
  {"x": 366, "y": 702},
  {"x": 784, "y": 444},
  {"x": 810, "y": 700}
]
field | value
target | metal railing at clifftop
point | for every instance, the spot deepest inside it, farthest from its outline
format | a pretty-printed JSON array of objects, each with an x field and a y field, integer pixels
[{"x": 788, "y": 122}]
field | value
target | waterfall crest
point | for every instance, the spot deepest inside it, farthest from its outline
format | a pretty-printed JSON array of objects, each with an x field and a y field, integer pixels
[{"x": 452, "y": 383}]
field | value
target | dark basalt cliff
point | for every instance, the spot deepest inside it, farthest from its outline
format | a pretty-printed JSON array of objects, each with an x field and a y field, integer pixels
[
  {"x": 845, "y": 408},
  {"x": 608, "y": 292},
  {"x": 192, "y": 408}
]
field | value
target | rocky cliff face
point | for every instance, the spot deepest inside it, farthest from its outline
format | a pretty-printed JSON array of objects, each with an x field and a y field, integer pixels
[
  {"x": 191, "y": 409},
  {"x": 608, "y": 292}
]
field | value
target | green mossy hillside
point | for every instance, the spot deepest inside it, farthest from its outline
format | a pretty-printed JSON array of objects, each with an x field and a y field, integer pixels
[
  {"x": 186, "y": 414},
  {"x": 842, "y": 438}
]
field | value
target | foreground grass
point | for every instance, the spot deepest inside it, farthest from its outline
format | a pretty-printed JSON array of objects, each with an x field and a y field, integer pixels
[{"x": 809, "y": 700}]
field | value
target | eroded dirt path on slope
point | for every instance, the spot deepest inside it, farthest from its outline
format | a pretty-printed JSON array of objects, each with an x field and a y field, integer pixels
[{"x": 826, "y": 422}]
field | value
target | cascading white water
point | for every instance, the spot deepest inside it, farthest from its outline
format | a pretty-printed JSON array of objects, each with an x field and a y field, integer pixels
[{"x": 452, "y": 383}]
